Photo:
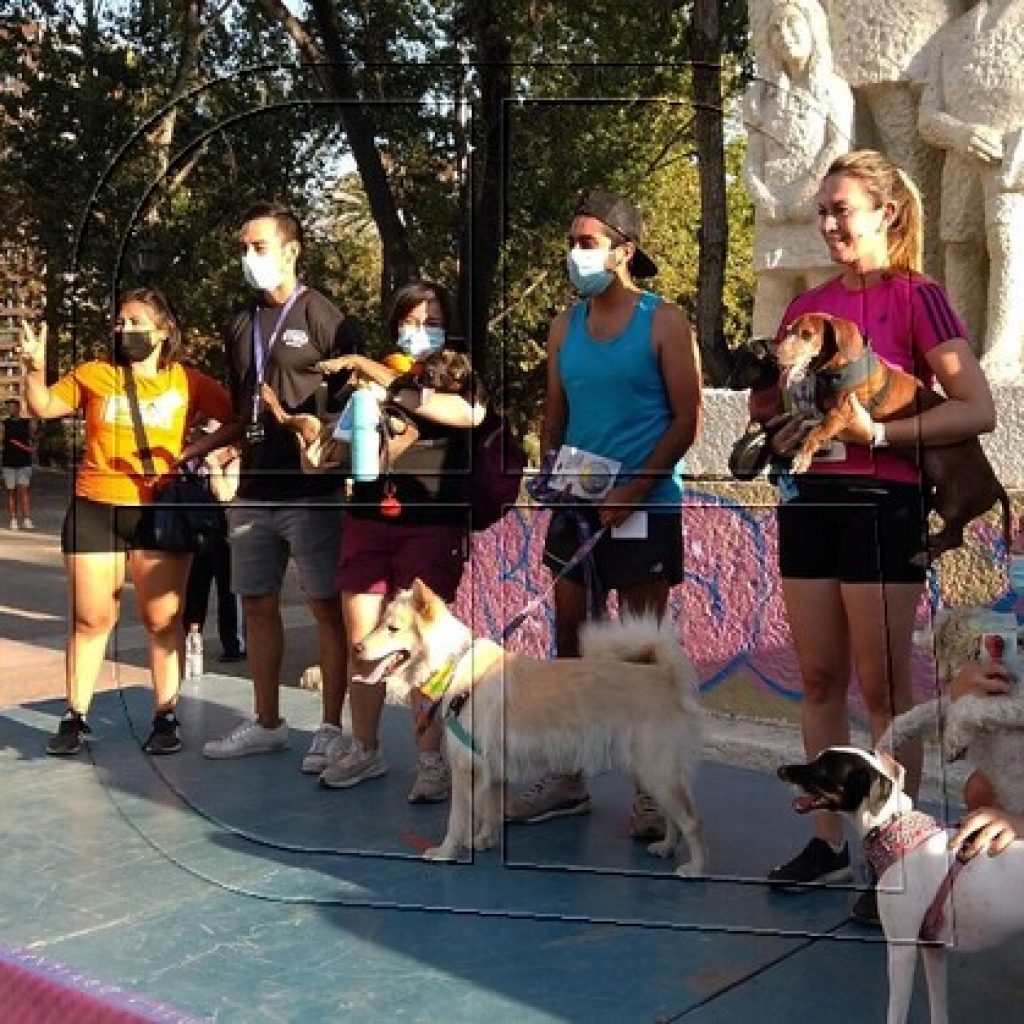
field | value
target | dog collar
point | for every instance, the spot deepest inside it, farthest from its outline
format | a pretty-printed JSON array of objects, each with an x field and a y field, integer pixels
[{"x": 888, "y": 843}]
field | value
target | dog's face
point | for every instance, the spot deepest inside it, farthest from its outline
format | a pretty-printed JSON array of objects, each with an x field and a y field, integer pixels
[
  {"x": 864, "y": 786},
  {"x": 415, "y": 635},
  {"x": 753, "y": 366},
  {"x": 817, "y": 341}
]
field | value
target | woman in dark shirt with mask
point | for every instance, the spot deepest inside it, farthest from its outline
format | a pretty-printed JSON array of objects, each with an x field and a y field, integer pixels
[{"x": 426, "y": 535}]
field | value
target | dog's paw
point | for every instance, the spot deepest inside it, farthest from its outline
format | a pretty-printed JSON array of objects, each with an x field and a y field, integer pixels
[
  {"x": 801, "y": 463},
  {"x": 483, "y": 841},
  {"x": 662, "y": 848},
  {"x": 689, "y": 870},
  {"x": 441, "y": 852}
]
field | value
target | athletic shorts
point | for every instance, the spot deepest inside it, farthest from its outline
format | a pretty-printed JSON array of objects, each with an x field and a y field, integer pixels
[
  {"x": 620, "y": 562},
  {"x": 263, "y": 537},
  {"x": 17, "y": 476},
  {"x": 380, "y": 558},
  {"x": 852, "y": 529},
  {"x": 92, "y": 527}
]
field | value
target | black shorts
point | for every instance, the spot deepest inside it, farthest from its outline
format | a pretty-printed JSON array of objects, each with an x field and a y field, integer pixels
[
  {"x": 95, "y": 526},
  {"x": 852, "y": 529},
  {"x": 620, "y": 562}
]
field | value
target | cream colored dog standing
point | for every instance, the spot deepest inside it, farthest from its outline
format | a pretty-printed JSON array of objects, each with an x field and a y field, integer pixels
[{"x": 628, "y": 702}]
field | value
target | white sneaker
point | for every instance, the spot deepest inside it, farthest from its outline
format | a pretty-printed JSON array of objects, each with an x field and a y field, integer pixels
[
  {"x": 248, "y": 738},
  {"x": 27, "y": 524},
  {"x": 328, "y": 744},
  {"x": 13, "y": 524},
  {"x": 354, "y": 767},
  {"x": 433, "y": 782}
]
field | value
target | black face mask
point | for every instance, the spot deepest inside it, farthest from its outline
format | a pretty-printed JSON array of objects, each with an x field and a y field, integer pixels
[{"x": 132, "y": 346}]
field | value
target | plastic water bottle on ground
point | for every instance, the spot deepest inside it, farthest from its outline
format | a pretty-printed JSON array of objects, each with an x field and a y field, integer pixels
[{"x": 193, "y": 655}]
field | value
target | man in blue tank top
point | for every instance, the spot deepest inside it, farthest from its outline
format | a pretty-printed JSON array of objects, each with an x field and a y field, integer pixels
[{"x": 623, "y": 384}]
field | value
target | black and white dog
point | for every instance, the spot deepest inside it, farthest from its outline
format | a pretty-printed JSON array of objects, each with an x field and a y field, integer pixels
[{"x": 926, "y": 896}]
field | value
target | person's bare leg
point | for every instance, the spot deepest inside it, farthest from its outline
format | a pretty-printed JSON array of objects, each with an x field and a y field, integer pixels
[
  {"x": 817, "y": 624},
  {"x": 26, "y": 503},
  {"x": 95, "y": 582},
  {"x": 332, "y": 649},
  {"x": 361, "y": 614},
  {"x": 264, "y": 641},
  {"x": 881, "y": 628},
  {"x": 160, "y": 579}
]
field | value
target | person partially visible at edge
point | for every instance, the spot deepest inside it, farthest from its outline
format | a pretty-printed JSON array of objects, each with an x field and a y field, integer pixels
[
  {"x": 624, "y": 383},
  {"x": 104, "y": 535},
  {"x": 17, "y": 446},
  {"x": 850, "y": 528},
  {"x": 426, "y": 537},
  {"x": 279, "y": 338},
  {"x": 989, "y": 826}
]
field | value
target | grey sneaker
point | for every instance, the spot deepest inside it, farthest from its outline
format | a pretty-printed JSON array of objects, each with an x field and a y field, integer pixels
[
  {"x": 433, "y": 782},
  {"x": 353, "y": 767},
  {"x": 248, "y": 738},
  {"x": 555, "y": 796},
  {"x": 328, "y": 744},
  {"x": 646, "y": 820}
]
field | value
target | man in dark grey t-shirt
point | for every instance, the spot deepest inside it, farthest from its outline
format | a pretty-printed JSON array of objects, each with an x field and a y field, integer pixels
[{"x": 279, "y": 513}]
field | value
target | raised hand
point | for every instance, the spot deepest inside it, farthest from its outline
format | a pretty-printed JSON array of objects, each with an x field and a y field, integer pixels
[{"x": 32, "y": 349}]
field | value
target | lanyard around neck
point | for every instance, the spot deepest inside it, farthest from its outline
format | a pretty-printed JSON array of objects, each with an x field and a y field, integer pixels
[{"x": 260, "y": 351}]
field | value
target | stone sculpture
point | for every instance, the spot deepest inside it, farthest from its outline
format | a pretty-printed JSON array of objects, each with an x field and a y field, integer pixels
[
  {"x": 973, "y": 107},
  {"x": 799, "y": 118}
]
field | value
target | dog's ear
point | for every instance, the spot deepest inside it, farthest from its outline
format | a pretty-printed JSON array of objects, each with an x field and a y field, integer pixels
[
  {"x": 829, "y": 342},
  {"x": 846, "y": 336},
  {"x": 424, "y": 601}
]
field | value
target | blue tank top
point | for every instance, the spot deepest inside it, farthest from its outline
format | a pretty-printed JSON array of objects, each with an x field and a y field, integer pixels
[{"x": 616, "y": 396}]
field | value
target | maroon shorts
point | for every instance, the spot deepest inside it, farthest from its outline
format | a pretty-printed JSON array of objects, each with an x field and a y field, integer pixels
[{"x": 380, "y": 558}]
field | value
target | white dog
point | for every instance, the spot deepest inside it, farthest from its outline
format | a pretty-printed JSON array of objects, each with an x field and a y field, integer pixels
[
  {"x": 989, "y": 731},
  {"x": 922, "y": 892},
  {"x": 628, "y": 702}
]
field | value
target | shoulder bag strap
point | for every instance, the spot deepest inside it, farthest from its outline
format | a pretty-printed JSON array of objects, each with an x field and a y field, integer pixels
[{"x": 131, "y": 393}]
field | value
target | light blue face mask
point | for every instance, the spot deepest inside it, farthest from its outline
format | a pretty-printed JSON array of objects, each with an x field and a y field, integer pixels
[
  {"x": 587, "y": 272},
  {"x": 420, "y": 341}
]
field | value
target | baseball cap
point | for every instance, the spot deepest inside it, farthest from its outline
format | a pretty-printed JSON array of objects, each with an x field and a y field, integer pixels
[{"x": 621, "y": 216}]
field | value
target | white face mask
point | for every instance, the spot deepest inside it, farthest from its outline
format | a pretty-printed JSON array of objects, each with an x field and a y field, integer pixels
[
  {"x": 587, "y": 271},
  {"x": 262, "y": 270},
  {"x": 420, "y": 341}
]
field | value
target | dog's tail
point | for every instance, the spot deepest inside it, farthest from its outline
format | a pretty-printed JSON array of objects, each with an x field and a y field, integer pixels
[
  {"x": 925, "y": 720},
  {"x": 642, "y": 641}
]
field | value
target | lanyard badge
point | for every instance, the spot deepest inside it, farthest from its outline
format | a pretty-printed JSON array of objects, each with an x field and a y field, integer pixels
[{"x": 256, "y": 431}]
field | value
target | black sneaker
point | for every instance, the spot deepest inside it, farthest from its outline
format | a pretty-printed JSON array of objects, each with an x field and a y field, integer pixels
[
  {"x": 164, "y": 738},
  {"x": 865, "y": 909},
  {"x": 68, "y": 737},
  {"x": 816, "y": 864}
]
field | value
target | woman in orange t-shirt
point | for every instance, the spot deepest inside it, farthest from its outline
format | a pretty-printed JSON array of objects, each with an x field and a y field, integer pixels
[{"x": 102, "y": 537}]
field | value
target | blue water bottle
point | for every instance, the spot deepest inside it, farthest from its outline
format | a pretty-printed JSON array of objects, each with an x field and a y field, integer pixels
[{"x": 365, "y": 436}]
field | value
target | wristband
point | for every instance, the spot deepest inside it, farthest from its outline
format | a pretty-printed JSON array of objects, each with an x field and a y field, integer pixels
[{"x": 878, "y": 438}]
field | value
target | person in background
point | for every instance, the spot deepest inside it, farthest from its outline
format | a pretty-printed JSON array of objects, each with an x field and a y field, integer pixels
[
  {"x": 16, "y": 451},
  {"x": 281, "y": 514},
  {"x": 104, "y": 534},
  {"x": 624, "y": 384},
  {"x": 213, "y": 565}
]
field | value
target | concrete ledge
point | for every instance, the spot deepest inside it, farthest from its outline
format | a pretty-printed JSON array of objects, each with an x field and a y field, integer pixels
[{"x": 725, "y": 416}]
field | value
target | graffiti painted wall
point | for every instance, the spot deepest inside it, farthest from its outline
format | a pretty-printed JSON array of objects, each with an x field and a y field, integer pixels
[{"x": 728, "y": 610}]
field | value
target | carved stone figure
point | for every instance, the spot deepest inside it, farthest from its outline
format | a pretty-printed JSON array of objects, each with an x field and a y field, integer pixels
[
  {"x": 973, "y": 107},
  {"x": 799, "y": 118},
  {"x": 880, "y": 48}
]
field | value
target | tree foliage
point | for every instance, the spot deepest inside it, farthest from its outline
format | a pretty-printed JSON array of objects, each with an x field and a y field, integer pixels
[{"x": 445, "y": 137}]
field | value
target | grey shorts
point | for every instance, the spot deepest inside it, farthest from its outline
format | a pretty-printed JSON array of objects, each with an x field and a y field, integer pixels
[
  {"x": 17, "y": 476},
  {"x": 263, "y": 537}
]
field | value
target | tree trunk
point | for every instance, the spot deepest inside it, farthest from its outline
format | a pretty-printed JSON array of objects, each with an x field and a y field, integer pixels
[
  {"x": 335, "y": 74},
  {"x": 705, "y": 54},
  {"x": 480, "y": 233}
]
